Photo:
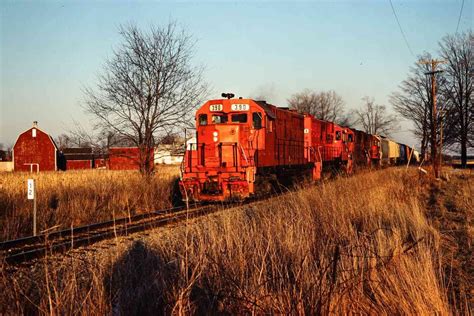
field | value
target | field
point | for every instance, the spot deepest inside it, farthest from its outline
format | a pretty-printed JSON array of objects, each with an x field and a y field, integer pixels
[
  {"x": 74, "y": 198},
  {"x": 386, "y": 242}
]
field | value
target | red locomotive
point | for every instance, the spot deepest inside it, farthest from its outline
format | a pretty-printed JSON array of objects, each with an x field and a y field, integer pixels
[
  {"x": 367, "y": 149},
  {"x": 334, "y": 143},
  {"x": 242, "y": 147}
]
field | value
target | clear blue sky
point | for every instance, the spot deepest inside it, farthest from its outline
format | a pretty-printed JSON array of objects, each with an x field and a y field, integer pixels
[{"x": 49, "y": 50}]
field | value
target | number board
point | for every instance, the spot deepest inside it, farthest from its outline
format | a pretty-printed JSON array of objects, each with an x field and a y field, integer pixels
[
  {"x": 240, "y": 107},
  {"x": 31, "y": 189},
  {"x": 215, "y": 107}
]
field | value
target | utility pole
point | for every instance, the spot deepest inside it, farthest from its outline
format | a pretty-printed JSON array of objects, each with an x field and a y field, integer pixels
[
  {"x": 434, "y": 144},
  {"x": 441, "y": 112}
]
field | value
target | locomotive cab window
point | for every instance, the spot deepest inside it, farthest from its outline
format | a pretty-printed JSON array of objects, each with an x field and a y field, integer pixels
[
  {"x": 269, "y": 125},
  {"x": 219, "y": 119},
  {"x": 351, "y": 138},
  {"x": 239, "y": 118},
  {"x": 203, "y": 119},
  {"x": 338, "y": 135},
  {"x": 257, "y": 120}
]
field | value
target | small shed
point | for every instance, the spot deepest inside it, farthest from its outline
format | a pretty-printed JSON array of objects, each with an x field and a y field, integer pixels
[
  {"x": 78, "y": 158},
  {"x": 35, "y": 150}
]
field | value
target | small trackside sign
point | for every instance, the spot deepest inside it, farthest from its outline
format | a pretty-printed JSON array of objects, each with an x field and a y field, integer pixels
[{"x": 31, "y": 189}]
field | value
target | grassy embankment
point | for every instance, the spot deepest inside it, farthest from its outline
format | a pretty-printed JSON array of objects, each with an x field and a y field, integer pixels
[
  {"x": 388, "y": 242},
  {"x": 78, "y": 198}
]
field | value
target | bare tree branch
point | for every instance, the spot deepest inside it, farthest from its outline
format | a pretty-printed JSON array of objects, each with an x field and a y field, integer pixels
[
  {"x": 374, "y": 119},
  {"x": 325, "y": 105}
]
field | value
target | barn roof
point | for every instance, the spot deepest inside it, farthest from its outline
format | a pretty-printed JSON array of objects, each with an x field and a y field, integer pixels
[
  {"x": 77, "y": 150},
  {"x": 39, "y": 129},
  {"x": 79, "y": 156}
]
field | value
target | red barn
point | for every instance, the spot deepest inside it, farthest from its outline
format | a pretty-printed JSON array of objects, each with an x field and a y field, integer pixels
[
  {"x": 34, "y": 150},
  {"x": 78, "y": 158},
  {"x": 126, "y": 158}
]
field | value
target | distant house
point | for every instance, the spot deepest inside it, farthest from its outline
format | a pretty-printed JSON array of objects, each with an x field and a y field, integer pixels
[
  {"x": 169, "y": 154},
  {"x": 5, "y": 155},
  {"x": 35, "y": 150},
  {"x": 5, "y": 161},
  {"x": 78, "y": 158}
]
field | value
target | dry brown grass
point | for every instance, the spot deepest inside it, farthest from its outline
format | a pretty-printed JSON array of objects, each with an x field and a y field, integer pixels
[
  {"x": 79, "y": 197},
  {"x": 354, "y": 245}
]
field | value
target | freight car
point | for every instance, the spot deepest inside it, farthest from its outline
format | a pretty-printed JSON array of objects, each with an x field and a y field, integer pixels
[
  {"x": 390, "y": 151},
  {"x": 407, "y": 153},
  {"x": 243, "y": 147}
]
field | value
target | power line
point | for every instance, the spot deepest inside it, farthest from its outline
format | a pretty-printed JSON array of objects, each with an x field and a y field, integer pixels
[
  {"x": 400, "y": 27},
  {"x": 459, "y": 18}
]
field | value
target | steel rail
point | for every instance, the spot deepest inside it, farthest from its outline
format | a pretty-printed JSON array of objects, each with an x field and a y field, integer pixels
[
  {"x": 56, "y": 246},
  {"x": 163, "y": 218},
  {"x": 31, "y": 240}
]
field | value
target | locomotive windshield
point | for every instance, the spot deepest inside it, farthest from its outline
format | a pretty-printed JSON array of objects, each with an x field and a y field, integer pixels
[
  {"x": 239, "y": 118},
  {"x": 219, "y": 118}
]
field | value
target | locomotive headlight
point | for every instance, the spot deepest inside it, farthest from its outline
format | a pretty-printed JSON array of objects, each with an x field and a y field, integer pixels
[
  {"x": 215, "y": 138},
  {"x": 214, "y": 134}
]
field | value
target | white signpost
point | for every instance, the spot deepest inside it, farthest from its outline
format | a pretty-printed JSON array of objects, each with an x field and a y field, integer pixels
[{"x": 32, "y": 196}]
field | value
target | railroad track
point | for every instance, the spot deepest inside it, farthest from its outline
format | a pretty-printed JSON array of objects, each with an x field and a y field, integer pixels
[{"x": 26, "y": 249}]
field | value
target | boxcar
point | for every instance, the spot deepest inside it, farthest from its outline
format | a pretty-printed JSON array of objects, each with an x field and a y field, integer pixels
[{"x": 390, "y": 151}]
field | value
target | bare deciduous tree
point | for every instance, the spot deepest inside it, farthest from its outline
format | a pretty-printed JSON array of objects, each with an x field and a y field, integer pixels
[
  {"x": 325, "y": 105},
  {"x": 457, "y": 50},
  {"x": 414, "y": 101},
  {"x": 147, "y": 87},
  {"x": 374, "y": 119}
]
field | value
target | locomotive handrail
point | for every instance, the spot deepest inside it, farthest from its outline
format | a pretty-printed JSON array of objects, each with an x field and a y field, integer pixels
[{"x": 245, "y": 157}]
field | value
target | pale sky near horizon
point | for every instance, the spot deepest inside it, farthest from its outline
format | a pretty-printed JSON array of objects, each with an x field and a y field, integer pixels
[{"x": 50, "y": 50}]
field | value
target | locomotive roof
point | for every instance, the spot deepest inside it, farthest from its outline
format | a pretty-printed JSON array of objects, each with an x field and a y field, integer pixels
[{"x": 268, "y": 108}]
